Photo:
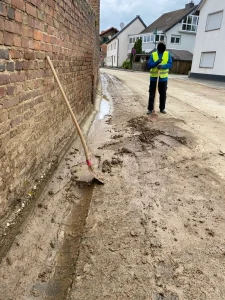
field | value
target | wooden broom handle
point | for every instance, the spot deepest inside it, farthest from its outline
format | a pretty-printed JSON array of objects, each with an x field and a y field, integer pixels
[
  {"x": 71, "y": 112},
  {"x": 156, "y": 89}
]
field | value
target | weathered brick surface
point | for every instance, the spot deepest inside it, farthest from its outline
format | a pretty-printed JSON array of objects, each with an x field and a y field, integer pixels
[{"x": 34, "y": 122}]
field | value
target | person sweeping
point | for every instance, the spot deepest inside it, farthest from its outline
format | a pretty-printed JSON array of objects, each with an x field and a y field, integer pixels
[{"x": 160, "y": 62}]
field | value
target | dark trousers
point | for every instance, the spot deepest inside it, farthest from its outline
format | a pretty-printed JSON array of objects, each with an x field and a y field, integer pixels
[{"x": 162, "y": 92}]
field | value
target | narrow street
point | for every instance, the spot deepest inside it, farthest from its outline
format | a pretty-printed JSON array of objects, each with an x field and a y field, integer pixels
[{"x": 155, "y": 230}]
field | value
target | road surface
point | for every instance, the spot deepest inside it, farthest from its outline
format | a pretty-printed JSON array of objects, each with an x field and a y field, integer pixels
[{"x": 155, "y": 230}]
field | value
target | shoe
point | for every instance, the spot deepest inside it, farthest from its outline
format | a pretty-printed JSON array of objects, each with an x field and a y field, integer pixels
[
  {"x": 149, "y": 112},
  {"x": 163, "y": 111}
]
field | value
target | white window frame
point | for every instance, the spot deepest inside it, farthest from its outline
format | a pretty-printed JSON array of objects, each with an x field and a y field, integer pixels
[
  {"x": 175, "y": 37},
  {"x": 200, "y": 64},
  {"x": 207, "y": 22},
  {"x": 161, "y": 37},
  {"x": 185, "y": 22},
  {"x": 115, "y": 45}
]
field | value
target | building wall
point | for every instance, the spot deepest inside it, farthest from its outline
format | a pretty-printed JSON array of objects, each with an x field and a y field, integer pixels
[
  {"x": 134, "y": 28},
  {"x": 121, "y": 53},
  {"x": 34, "y": 122},
  {"x": 210, "y": 41},
  {"x": 112, "y": 53},
  {"x": 187, "y": 39}
]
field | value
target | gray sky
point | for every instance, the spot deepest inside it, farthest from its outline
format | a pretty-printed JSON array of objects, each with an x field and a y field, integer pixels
[{"x": 113, "y": 12}]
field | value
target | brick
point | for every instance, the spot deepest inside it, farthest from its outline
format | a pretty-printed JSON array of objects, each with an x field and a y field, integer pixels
[
  {"x": 5, "y": 127},
  {"x": 2, "y": 92},
  {"x": 13, "y": 27},
  {"x": 25, "y": 43},
  {"x": 41, "y": 15},
  {"x": 31, "y": 21},
  {"x": 3, "y": 116},
  {"x": 8, "y": 39},
  {"x": 17, "y": 77},
  {"x": 17, "y": 41},
  {"x": 29, "y": 55},
  {"x": 30, "y": 9},
  {"x": 2, "y": 24},
  {"x": 16, "y": 54},
  {"x": 10, "y": 66},
  {"x": 2, "y": 67},
  {"x": 11, "y": 13},
  {"x": 31, "y": 44},
  {"x": 10, "y": 102},
  {"x": 56, "y": 24},
  {"x": 27, "y": 32},
  {"x": 3, "y": 11},
  {"x": 25, "y": 19},
  {"x": 19, "y": 65},
  {"x": 20, "y": 4},
  {"x": 10, "y": 90},
  {"x": 25, "y": 65},
  {"x": 16, "y": 121},
  {"x": 37, "y": 45},
  {"x": 1, "y": 37},
  {"x": 38, "y": 35},
  {"x": 18, "y": 16},
  {"x": 4, "y": 79}
]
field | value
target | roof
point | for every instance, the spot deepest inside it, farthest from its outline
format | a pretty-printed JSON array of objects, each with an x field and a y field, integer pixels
[
  {"x": 169, "y": 20},
  {"x": 202, "y": 2},
  {"x": 105, "y": 31},
  {"x": 124, "y": 28},
  {"x": 181, "y": 55}
]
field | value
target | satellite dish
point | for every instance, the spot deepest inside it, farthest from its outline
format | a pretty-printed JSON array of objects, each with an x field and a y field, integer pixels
[{"x": 122, "y": 25}]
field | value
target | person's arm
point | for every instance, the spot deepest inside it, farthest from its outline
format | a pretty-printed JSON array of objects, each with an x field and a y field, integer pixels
[
  {"x": 169, "y": 64},
  {"x": 152, "y": 64}
]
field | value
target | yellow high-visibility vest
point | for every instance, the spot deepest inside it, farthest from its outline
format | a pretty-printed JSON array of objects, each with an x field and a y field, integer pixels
[{"x": 164, "y": 73}]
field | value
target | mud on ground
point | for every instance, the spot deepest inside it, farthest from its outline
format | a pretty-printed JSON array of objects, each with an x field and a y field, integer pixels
[{"x": 154, "y": 231}]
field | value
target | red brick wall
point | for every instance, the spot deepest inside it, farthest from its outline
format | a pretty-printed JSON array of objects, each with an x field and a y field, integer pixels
[{"x": 34, "y": 122}]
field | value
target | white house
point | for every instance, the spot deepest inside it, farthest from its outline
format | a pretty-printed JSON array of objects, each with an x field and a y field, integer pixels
[
  {"x": 176, "y": 28},
  {"x": 208, "y": 61},
  {"x": 117, "y": 46}
]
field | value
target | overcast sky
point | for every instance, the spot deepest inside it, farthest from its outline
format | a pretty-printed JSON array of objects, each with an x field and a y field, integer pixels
[{"x": 113, "y": 12}]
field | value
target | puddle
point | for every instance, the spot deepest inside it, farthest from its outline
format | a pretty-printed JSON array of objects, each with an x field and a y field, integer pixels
[{"x": 104, "y": 109}]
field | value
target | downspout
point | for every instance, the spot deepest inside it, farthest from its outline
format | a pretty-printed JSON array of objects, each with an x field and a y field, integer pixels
[
  {"x": 166, "y": 38},
  {"x": 118, "y": 52}
]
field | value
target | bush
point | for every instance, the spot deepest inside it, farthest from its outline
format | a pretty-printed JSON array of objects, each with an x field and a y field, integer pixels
[{"x": 126, "y": 64}]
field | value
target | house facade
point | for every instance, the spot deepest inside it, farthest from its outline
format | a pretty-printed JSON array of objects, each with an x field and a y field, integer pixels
[
  {"x": 177, "y": 29},
  {"x": 117, "y": 46},
  {"x": 105, "y": 36},
  {"x": 208, "y": 61}
]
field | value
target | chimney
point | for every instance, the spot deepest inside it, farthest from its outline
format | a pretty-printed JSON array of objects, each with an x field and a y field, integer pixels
[{"x": 189, "y": 5}]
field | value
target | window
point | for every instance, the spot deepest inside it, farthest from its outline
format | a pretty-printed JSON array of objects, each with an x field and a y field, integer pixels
[
  {"x": 114, "y": 59},
  {"x": 111, "y": 46},
  {"x": 130, "y": 40},
  {"x": 190, "y": 23},
  {"x": 207, "y": 60},
  {"x": 134, "y": 40},
  {"x": 175, "y": 39},
  {"x": 214, "y": 21},
  {"x": 159, "y": 37},
  {"x": 115, "y": 45}
]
